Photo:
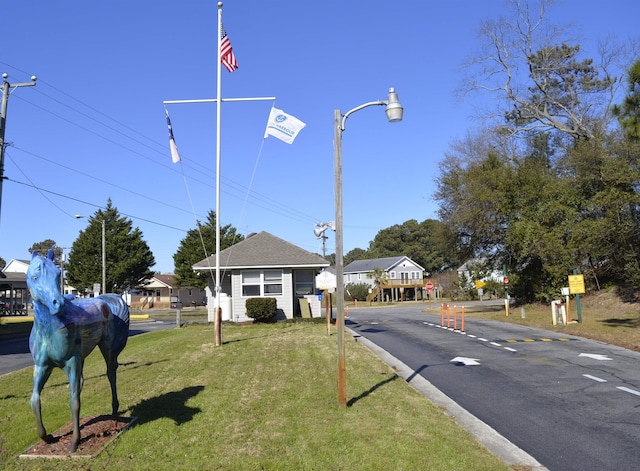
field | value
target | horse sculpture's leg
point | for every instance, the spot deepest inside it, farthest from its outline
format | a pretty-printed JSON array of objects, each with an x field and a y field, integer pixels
[
  {"x": 40, "y": 376},
  {"x": 73, "y": 369},
  {"x": 112, "y": 367}
]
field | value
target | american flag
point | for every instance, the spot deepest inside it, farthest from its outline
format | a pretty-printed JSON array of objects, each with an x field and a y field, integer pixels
[{"x": 226, "y": 52}]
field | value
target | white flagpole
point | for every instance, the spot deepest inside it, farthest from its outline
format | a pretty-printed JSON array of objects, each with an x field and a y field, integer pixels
[{"x": 218, "y": 314}]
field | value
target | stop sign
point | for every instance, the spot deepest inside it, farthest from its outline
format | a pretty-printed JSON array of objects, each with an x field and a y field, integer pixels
[{"x": 429, "y": 286}]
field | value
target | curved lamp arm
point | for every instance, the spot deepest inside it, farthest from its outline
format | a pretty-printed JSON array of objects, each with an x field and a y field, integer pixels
[{"x": 394, "y": 108}]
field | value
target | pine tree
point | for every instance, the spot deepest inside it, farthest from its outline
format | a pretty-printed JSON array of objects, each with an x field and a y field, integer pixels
[{"x": 128, "y": 257}]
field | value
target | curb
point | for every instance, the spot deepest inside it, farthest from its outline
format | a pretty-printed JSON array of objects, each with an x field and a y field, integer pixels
[{"x": 483, "y": 433}]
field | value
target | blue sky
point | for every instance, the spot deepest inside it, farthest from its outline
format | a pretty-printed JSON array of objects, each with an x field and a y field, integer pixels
[{"x": 93, "y": 127}]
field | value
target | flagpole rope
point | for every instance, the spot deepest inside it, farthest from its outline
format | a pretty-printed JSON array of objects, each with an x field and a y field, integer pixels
[
  {"x": 175, "y": 157},
  {"x": 195, "y": 217},
  {"x": 246, "y": 198}
]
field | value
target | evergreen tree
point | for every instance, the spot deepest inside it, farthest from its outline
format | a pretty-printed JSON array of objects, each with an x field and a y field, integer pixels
[
  {"x": 43, "y": 247},
  {"x": 628, "y": 113},
  {"x": 198, "y": 244},
  {"x": 128, "y": 257}
]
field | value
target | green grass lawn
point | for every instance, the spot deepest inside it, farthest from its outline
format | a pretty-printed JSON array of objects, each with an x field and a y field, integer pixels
[{"x": 264, "y": 400}]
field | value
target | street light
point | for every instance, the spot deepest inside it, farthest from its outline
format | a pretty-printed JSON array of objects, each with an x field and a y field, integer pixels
[
  {"x": 104, "y": 253},
  {"x": 394, "y": 112}
]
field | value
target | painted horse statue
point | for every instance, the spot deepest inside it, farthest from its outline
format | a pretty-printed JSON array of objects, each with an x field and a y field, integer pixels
[{"x": 67, "y": 329}]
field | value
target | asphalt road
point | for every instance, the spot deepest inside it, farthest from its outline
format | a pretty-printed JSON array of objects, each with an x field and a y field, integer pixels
[
  {"x": 15, "y": 355},
  {"x": 571, "y": 403}
]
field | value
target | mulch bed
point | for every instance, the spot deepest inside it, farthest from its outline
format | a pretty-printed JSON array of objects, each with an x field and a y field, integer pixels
[{"x": 95, "y": 434}]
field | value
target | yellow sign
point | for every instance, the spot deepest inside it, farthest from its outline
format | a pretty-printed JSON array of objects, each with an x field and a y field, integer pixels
[
  {"x": 480, "y": 284},
  {"x": 576, "y": 284}
]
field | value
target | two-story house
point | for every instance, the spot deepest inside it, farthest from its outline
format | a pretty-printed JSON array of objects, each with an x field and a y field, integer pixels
[{"x": 403, "y": 278}]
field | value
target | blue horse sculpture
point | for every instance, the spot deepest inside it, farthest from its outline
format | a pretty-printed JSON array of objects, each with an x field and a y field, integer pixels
[{"x": 65, "y": 330}]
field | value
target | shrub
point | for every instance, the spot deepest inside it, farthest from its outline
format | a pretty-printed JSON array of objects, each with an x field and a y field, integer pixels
[
  {"x": 261, "y": 309},
  {"x": 357, "y": 291}
]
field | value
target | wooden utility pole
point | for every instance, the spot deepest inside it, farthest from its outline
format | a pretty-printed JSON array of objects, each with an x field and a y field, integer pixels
[{"x": 6, "y": 87}]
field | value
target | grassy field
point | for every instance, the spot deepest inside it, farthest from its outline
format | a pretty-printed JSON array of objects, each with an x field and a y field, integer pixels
[{"x": 265, "y": 400}]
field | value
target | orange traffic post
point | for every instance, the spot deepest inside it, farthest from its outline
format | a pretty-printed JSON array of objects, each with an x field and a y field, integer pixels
[
  {"x": 462, "y": 320},
  {"x": 442, "y": 314},
  {"x": 455, "y": 322},
  {"x": 448, "y": 316}
]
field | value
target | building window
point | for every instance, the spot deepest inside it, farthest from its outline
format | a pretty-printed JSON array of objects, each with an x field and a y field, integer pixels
[
  {"x": 262, "y": 283},
  {"x": 250, "y": 283},
  {"x": 392, "y": 275},
  {"x": 272, "y": 282}
]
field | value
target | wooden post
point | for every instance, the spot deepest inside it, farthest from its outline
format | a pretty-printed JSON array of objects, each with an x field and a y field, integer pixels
[{"x": 327, "y": 310}]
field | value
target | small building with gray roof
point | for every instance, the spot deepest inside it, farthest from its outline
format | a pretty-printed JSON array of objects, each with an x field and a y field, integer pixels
[{"x": 264, "y": 265}]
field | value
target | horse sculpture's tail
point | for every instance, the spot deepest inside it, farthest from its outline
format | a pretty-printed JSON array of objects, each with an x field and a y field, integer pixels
[{"x": 120, "y": 312}]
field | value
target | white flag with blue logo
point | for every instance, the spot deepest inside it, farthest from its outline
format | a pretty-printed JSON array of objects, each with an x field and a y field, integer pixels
[{"x": 283, "y": 126}]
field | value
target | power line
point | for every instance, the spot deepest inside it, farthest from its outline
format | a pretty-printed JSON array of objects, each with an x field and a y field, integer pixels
[{"x": 94, "y": 205}]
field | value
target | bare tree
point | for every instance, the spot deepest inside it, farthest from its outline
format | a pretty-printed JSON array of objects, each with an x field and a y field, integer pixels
[{"x": 535, "y": 70}]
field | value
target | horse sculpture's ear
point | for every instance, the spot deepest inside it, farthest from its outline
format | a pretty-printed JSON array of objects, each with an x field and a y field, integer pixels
[
  {"x": 50, "y": 254},
  {"x": 34, "y": 254}
]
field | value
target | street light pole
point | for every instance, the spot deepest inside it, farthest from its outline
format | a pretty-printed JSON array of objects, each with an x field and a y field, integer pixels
[
  {"x": 104, "y": 252},
  {"x": 6, "y": 87},
  {"x": 394, "y": 112}
]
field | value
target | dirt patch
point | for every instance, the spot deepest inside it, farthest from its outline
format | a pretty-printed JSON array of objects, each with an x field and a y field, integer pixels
[{"x": 95, "y": 434}]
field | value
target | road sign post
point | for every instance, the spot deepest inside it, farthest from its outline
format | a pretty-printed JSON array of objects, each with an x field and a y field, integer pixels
[{"x": 429, "y": 287}]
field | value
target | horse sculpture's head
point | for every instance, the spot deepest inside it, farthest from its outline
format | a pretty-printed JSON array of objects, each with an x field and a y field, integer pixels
[{"x": 43, "y": 281}]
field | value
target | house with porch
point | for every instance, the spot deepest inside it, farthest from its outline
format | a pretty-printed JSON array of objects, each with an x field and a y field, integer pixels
[
  {"x": 403, "y": 278},
  {"x": 14, "y": 296},
  {"x": 264, "y": 265}
]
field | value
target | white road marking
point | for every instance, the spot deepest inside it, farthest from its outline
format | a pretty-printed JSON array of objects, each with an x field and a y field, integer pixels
[
  {"x": 595, "y": 356},
  {"x": 466, "y": 361},
  {"x": 632, "y": 391},
  {"x": 595, "y": 378}
]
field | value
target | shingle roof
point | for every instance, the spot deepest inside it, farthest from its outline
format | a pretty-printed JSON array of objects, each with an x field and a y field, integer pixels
[
  {"x": 262, "y": 250},
  {"x": 159, "y": 280},
  {"x": 360, "y": 266}
]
